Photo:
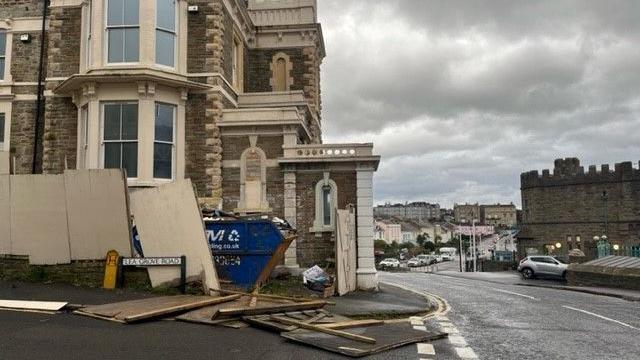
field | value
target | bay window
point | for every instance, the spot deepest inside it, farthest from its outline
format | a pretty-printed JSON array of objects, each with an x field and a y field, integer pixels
[
  {"x": 3, "y": 52},
  {"x": 166, "y": 32},
  {"x": 164, "y": 146},
  {"x": 120, "y": 137},
  {"x": 123, "y": 31}
]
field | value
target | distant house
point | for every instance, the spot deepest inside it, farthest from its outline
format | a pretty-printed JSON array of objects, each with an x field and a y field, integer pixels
[{"x": 390, "y": 231}]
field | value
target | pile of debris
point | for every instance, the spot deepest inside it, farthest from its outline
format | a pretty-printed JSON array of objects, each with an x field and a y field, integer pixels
[{"x": 301, "y": 320}]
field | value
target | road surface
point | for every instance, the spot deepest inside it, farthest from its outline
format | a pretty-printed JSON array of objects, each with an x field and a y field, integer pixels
[{"x": 501, "y": 321}]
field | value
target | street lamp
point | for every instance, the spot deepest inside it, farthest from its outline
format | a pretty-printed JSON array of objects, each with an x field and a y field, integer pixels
[
  {"x": 616, "y": 247},
  {"x": 558, "y": 245}
]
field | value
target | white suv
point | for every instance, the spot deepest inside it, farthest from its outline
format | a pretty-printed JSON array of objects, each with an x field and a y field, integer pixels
[{"x": 535, "y": 265}]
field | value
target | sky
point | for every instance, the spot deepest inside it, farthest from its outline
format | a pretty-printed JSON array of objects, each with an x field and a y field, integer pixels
[{"x": 460, "y": 97}]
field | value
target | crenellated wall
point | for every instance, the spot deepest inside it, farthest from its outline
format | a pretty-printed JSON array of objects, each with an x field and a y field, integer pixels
[{"x": 569, "y": 203}]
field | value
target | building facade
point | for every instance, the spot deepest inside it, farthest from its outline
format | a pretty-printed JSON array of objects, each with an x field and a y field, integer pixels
[
  {"x": 565, "y": 209},
  {"x": 391, "y": 232},
  {"x": 224, "y": 92},
  {"x": 416, "y": 211},
  {"x": 466, "y": 213},
  {"x": 499, "y": 215}
]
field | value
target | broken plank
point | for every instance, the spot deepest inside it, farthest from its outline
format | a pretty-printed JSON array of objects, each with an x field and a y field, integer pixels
[
  {"x": 33, "y": 305},
  {"x": 352, "y": 324},
  {"x": 99, "y": 317},
  {"x": 179, "y": 308},
  {"x": 276, "y": 258},
  {"x": 268, "y": 296},
  {"x": 248, "y": 311},
  {"x": 265, "y": 322},
  {"x": 321, "y": 329}
]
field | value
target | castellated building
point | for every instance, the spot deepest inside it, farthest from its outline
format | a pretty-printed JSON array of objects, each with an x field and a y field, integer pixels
[
  {"x": 224, "y": 92},
  {"x": 571, "y": 206}
]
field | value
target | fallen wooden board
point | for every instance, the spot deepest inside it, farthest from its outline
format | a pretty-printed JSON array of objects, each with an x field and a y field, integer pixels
[
  {"x": 248, "y": 311},
  {"x": 319, "y": 317},
  {"x": 340, "y": 333},
  {"x": 205, "y": 314},
  {"x": 388, "y": 336},
  {"x": 32, "y": 305},
  {"x": 352, "y": 324},
  {"x": 169, "y": 223},
  {"x": 276, "y": 259},
  {"x": 144, "y": 309},
  {"x": 271, "y": 297}
]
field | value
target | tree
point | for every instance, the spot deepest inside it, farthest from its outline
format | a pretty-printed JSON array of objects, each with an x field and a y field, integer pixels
[
  {"x": 429, "y": 246},
  {"x": 379, "y": 244},
  {"x": 421, "y": 239}
]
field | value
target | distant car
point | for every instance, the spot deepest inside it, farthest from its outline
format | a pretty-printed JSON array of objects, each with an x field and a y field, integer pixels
[
  {"x": 414, "y": 262},
  {"x": 389, "y": 263},
  {"x": 540, "y": 265},
  {"x": 447, "y": 257},
  {"x": 439, "y": 258},
  {"x": 427, "y": 259}
]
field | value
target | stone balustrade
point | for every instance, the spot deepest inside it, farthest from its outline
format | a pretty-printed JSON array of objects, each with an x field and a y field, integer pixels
[{"x": 328, "y": 151}]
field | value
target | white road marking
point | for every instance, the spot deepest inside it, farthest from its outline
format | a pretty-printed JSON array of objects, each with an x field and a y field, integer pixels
[
  {"x": 466, "y": 353},
  {"x": 514, "y": 293},
  {"x": 426, "y": 349},
  {"x": 421, "y": 328},
  {"x": 601, "y": 317},
  {"x": 457, "y": 340}
]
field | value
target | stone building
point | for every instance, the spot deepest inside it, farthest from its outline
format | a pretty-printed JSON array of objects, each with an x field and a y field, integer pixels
[
  {"x": 466, "y": 213},
  {"x": 499, "y": 215},
  {"x": 224, "y": 92},
  {"x": 570, "y": 206},
  {"x": 417, "y": 211}
]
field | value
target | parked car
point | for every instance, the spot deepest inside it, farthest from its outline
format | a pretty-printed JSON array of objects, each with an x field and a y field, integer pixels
[
  {"x": 427, "y": 259},
  {"x": 539, "y": 265},
  {"x": 447, "y": 257},
  {"x": 438, "y": 258},
  {"x": 389, "y": 263},
  {"x": 414, "y": 262}
]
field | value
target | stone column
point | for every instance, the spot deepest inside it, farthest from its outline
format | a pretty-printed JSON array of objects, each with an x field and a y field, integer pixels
[
  {"x": 367, "y": 276},
  {"x": 290, "y": 213}
]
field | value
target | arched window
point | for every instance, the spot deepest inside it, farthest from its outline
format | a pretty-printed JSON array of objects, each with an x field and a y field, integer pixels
[
  {"x": 281, "y": 67},
  {"x": 253, "y": 181},
  {"x": 326, "y": 203}
]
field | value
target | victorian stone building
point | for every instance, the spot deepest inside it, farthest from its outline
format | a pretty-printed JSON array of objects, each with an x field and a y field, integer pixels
[
  {"x": 570, "y": 207},
  {"x": 224, "y": 92}
]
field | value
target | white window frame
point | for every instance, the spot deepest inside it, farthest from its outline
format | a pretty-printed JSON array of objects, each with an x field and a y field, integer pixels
[
  {"x": 175, "y": 37},
  {"x": 106, "y": 37},
  {"x": 318, "y": 224},
  {"x": 103, "y": 141},
  {"x": 84, "y": 135},
  {"x": 172, "y": 143}
]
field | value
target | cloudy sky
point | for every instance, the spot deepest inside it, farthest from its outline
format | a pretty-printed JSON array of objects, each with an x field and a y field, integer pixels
[{"x": 460, "y": 96}]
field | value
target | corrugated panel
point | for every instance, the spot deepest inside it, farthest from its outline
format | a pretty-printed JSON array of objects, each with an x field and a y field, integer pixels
[{"x": 616, "y": 261}]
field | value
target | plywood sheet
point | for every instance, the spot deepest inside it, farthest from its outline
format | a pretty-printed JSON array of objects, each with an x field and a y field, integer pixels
[
  {"x": 138, "y": 310},
  {"x": 39, "y": 219},
  {"x": 5, "y": 216},
  {"x": 5, "y": 163},
  {"x": 169, "y": 223},
  {"x": 205, "y": 315},
  {"x": 32, "y": 305},
  {"x": 97, "y": 213},
  {"x": 346, "y": 253},
  {"x": 388, "y": 336}
]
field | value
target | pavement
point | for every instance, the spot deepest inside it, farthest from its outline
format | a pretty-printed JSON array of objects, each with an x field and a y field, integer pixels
[
  {"x": 68, "y": 336},
  {"x": 389, "y": 301},
  {"x": 493, "y": 320}
]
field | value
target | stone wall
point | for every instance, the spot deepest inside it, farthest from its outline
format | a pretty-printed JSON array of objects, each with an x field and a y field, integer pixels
[
  {"x": 586, "y": 275},
  {"x": 195, "y": 146},
  {"x": 63, "y": 54},
  {"x": 318, "y": 248},
  {"x": 60, "y": 135},
  {"x": 22, "y": 136},
  {"x": 258, "y": 70},
  {"x": 25, "y": 59},
  {"x": 20, "y": 8},
  {"x": 569, "y": 202},
  {"x": 197, "y": 37},
  {"x": 78, "y": 273}
]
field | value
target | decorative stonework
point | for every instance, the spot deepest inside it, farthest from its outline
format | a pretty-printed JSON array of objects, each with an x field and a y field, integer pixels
[{"x": 311, "y": 88}]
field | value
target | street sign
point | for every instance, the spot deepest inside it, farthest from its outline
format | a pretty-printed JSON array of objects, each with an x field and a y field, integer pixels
[{"x": 152, "y": 261}]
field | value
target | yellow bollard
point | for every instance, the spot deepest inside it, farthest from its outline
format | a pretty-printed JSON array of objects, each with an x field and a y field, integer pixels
[{"x": 111, "y": 270}]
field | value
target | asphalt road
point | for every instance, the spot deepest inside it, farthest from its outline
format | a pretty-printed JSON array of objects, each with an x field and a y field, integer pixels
[{"x": 501, "y": 321}]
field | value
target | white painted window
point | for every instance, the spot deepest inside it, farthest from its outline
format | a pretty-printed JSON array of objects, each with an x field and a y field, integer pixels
[
  {"x": 120, "y": 137},
  {"x": 326, "y": 204},
  {"x": 2, "y": 125},
  {"x": 164, "y": 141},
  {"x": 3, "y": 53},
  {"x": 166, "y": 32},
  {"x": 123, "y": 31}
]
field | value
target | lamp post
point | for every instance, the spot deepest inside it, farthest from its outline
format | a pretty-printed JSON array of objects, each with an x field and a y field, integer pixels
[{"x": 473, "y": 225}]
